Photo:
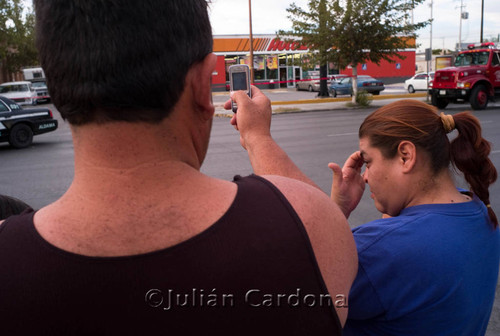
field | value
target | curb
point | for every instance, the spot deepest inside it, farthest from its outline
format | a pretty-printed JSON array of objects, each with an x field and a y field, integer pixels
[
  {"x": 277, "y": 109},
  {"x": 347, "y": 99}
]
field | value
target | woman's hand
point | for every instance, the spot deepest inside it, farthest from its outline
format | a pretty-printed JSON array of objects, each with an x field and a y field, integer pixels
[{"x": 348, "y": 184}]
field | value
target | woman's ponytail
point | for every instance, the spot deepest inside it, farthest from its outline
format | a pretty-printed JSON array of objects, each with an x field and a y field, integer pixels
[{"x": 469, "y": 153}]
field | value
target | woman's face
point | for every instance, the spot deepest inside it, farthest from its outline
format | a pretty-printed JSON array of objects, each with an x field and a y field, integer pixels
[{"x": 384, "y": 178}]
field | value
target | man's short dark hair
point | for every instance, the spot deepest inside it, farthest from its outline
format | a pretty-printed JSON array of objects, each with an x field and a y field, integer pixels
[{"x": 121, "y": 60}]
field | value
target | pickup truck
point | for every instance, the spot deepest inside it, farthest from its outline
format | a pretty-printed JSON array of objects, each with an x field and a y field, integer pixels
[{"x": 18, "y": 125}]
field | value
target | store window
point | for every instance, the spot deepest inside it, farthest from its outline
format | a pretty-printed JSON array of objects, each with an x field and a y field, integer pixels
[
  {"x": 259, "y": 68},
  {"x": 282, "y": 60},
  {"x": 272, "y": 67}
]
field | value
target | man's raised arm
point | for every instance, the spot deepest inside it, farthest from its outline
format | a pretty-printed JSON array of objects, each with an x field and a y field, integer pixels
[{"x": 253, "y": 121}]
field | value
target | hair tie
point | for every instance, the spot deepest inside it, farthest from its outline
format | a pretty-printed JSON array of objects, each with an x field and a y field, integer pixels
[
  {"x": 448, "y": 122},
  {"x": 488, "y": 205}
]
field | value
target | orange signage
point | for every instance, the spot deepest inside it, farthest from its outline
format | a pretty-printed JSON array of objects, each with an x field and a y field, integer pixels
[{"x": 259, "y": 45}]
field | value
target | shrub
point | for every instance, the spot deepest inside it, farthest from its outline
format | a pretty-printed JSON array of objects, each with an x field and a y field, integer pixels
[{"x": 363, "y": 98}]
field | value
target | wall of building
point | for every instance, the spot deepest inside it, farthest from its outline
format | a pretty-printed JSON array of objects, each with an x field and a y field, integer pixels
[
  {"x": 399, "y": 70},
  {"x": 231, "y": 48},
  {"x": 219, "y": 75}
]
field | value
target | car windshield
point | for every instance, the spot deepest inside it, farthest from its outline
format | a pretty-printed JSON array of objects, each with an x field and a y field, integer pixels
[
  {"x": 14, "y": 88},
  {"x": 38, "y": 85},
  {"x": 473, "y": 58},
  {"x": 345, "y": 80}
]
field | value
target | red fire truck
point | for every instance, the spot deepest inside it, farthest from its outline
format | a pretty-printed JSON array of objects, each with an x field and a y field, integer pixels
[{"x": 474, "y": 78}]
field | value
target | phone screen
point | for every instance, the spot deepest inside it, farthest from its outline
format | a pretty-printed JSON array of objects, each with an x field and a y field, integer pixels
[{"x": 239, "y": 81}]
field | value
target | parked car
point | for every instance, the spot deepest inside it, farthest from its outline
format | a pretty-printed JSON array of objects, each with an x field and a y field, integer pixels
[
  {"x": 337, "y": 78},
  {"x": 419, "y": 82},
  {"x": 18, "y": 125},
  {"x": 366, "y": 83},
  {"x": 42, "y": 92},
  {"x": 309, "y": 83},
  {"x": 21, "y": 92}
]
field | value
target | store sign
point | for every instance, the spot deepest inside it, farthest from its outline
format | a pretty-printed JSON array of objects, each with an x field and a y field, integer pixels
[{"x": 278, "y": 45}]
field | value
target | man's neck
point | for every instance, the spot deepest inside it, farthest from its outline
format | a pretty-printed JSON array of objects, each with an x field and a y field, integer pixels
[
  {"x": 134, "y": 198},
  {"x": 122, "y": 145}
]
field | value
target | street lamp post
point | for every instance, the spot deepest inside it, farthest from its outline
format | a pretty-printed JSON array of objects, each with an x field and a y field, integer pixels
[{"x": 251, "y": 40}]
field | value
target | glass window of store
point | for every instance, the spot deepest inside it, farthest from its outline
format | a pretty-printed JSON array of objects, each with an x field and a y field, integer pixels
[{"x": 272, "y": 67}]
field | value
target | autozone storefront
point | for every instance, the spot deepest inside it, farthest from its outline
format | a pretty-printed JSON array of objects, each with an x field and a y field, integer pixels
[{"x": 280, "y": 64}]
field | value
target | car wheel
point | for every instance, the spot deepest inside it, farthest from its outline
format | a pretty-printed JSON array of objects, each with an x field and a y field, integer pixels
[
  {"x": 411, "y": 89},
  {"x": 310, "y": 88},
  {"x": 21, "y": 136},
  {"x": 479, "y": 97},
  {"x": 439, "y": 102},
  {"x": 376, "y": 93},
  {"x": 333, "y": 92},
  {"x": 297, "y": 87}
]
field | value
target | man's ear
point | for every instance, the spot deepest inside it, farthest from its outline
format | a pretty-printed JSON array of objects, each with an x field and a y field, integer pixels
[
  {"x": 407, "y": 155},
  {"x": 201, "y": 84}
]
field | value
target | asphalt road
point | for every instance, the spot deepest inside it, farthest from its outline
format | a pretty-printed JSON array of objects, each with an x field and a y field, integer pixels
[{"x": 41, "y": 173}]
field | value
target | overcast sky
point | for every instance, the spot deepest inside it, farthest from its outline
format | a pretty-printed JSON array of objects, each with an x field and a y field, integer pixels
[{"x": 269, "y": 16}]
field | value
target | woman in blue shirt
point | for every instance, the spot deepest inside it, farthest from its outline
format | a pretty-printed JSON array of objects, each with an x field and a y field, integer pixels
[{"x": 430, "y": 267}]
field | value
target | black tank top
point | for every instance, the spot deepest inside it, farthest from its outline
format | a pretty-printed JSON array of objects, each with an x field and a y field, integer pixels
[{"x": 251, "y": 273}]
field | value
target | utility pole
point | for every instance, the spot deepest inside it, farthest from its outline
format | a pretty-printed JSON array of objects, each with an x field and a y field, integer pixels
[
  {"x": 482, "y": 15},
  {"x": 251, "y": 40},
  {"x": 412, "y": 9},
  {"x": 460, "y": 31},
  {"x": 430, "y": 43},
  {"x": 429, "y": 57}
]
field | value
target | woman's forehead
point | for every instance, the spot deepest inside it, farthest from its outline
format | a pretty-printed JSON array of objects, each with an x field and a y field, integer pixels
[{"x": 364, "y": 144}]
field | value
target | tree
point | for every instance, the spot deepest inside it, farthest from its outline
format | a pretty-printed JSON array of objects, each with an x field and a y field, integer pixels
[
  {"x": 17, "y": 37},
  {"x": 314, "y": 28},
  {"x": 351, "y": 32}
]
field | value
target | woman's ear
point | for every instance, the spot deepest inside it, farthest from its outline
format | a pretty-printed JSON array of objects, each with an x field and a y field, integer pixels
[
  {"x": 407, "y": 154},
  {"x": 201, "y": 84}
]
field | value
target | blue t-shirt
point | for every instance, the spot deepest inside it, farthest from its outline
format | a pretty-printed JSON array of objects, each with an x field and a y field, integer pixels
[{"x": 432, "y": 270}]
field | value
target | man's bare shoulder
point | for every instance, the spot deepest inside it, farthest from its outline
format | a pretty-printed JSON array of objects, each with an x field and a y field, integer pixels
[
  {"x": 306, "y": 198},
  {"x": 329, "y": 233},
  {"x": 316, "y": 210}
]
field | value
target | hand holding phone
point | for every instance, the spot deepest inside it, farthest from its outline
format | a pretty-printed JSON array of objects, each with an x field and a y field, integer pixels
[{"x": 239, "y": 80}]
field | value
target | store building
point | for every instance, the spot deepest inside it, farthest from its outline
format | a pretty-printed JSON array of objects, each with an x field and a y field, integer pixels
[{"x": 280, "y": 64}]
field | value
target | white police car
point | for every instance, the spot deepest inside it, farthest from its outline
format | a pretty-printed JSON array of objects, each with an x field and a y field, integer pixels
[{"x": 18, "y": 125}]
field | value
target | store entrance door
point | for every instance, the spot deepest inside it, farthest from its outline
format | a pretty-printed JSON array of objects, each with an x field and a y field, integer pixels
[
  {"x": 283, "y": 77},
  {"x": 296, "y": 76}
]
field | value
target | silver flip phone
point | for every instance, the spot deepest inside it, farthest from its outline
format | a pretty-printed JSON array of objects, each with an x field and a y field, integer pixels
[{"x": 239, "y": 80}]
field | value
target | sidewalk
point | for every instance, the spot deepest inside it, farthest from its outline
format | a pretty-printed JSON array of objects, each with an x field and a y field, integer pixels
[{"x": 323, "y": 104}]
